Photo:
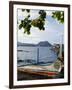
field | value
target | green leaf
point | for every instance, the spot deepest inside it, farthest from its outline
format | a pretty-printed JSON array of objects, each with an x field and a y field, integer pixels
[
  {"x": 20, "y": 26},
  {"x": 28, "y": 10},
  {"x": 23, "y": 10},
  {"x": 59, "y": 15}
]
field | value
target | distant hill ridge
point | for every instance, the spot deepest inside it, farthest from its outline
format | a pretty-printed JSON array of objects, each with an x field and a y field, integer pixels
[{"x": 42, "y": 43}]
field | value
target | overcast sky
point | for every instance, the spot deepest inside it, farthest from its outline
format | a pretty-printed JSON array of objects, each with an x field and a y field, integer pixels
[{"x": 53, "y": 32}]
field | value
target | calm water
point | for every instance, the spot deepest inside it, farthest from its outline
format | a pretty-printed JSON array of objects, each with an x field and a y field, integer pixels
[{"x": 33, "y": 55}]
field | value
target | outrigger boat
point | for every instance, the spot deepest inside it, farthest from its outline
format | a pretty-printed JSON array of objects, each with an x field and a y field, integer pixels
[{"x": 47, "y": 70}]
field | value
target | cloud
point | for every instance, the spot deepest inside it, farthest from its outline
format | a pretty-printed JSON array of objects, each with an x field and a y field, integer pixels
[
  {"x": 33, "y": 14},
  {"x": 49, "y": 13},
  {"x": 22, "y": 15}
]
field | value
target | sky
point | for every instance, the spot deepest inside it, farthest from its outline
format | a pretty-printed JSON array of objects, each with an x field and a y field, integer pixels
[{"x": 53, "y": 33}]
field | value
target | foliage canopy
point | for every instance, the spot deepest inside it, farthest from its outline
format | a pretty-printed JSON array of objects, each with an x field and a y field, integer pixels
[{"x": 39, "y": 22}]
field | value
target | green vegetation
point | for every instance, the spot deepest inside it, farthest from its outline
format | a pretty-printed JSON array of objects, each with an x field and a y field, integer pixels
[
  {"x": 59, "y": 15},
  {"x": 39, "y": 22}
]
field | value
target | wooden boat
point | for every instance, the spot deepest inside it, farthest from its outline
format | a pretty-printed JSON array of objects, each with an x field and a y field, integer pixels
[
  {"x": 39, "y": 70},
  {"x": 50, "y": 70}
]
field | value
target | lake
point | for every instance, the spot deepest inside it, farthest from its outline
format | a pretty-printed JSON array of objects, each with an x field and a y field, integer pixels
[{"x": 27, "y": 55}]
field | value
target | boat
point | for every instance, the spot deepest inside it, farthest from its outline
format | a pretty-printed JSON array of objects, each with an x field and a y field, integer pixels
[{"x": 46, "y": 70}]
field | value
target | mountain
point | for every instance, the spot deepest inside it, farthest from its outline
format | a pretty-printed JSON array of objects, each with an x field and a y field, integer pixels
[
  {"x": 43, "y": 43},
  {"x": 25, "y": 44}
]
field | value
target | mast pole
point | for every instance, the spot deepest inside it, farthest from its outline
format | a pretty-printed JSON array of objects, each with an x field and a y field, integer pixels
[{"x": 38, "y": 55}]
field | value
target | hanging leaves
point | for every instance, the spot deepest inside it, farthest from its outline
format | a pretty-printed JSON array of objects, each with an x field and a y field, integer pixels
[
  {"x": 26, "y": 24},
  {"x": 42, "y": 14},
  {"x": 39, "y": 22},
  {"x": 28, "y": 10},
  {"x": 59, "y": 15}
]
